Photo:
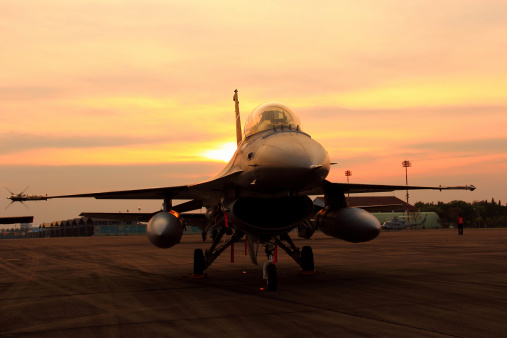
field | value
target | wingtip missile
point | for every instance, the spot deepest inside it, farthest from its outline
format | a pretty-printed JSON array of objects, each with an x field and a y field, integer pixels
[
  {"x": 466, "y": 187},
  {"x": 459, "y": 187},
  {"x": 22, "y": 198}
]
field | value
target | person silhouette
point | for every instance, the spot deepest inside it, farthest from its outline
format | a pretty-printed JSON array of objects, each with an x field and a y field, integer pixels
[{"x": 460, "y": 225}]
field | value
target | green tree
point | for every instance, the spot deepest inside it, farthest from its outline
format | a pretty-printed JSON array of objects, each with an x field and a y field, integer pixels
[{"x": 478, "y": 213}]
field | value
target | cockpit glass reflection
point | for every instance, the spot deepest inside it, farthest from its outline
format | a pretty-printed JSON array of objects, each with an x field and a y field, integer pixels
[{"x": 269, "y": 116}]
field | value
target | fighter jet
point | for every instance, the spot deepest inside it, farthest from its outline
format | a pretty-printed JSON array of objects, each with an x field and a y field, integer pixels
[{"x": 262, "y": 194}]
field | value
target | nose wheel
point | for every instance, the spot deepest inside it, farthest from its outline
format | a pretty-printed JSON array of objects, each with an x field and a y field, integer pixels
[
  {"x": 269, "y": 274},
  {"x": 269, "y": 268}
]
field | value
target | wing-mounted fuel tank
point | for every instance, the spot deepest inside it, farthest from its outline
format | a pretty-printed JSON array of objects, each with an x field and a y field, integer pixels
[
  {"x": 165, "y": 229},
  {"x": 268, "y": 215},
  {"x": 349, "y": 224}
]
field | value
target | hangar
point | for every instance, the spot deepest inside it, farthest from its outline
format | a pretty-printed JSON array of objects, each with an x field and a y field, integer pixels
[{"x": 87, "y": 226}]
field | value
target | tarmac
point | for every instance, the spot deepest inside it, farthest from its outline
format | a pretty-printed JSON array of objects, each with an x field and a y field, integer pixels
[{"x": 409, "y": 283}]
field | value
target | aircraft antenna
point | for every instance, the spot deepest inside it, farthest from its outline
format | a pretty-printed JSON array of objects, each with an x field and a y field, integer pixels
[{"x": 238, "y": 119}]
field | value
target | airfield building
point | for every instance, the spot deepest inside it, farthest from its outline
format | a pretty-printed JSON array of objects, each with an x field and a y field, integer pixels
[{"x": 86, "y": 226}]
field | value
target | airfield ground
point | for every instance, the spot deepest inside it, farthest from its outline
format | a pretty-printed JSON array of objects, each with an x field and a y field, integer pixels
[{"x": 405, "y": 283}]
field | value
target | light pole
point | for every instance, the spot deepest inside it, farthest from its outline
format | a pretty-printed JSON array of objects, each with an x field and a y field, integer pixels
[
  {"x": 407, "y": 164},
  {"x": 348, "y": 173}
]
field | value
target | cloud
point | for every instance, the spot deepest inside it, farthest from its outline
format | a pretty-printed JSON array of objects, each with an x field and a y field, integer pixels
[
  {"x": 317, "y": 113},
  {"x": 17, "y": 142},
  {"x": 470, "y": 147},
  {"x": 15, "y": 93}
]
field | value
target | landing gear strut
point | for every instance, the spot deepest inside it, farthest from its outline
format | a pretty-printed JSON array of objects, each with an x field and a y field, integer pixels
[
  {"x": 202, "y": 261},
  {"x": 269, "y": 268},
  {"x": 303, "y": 257}
]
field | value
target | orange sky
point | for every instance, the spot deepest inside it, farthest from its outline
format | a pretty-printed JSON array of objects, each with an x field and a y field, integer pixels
[{"x": 101, "y": 95}]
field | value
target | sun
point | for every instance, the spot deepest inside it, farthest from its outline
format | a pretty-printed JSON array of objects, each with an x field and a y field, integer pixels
[{"x": 221, "y": 152}]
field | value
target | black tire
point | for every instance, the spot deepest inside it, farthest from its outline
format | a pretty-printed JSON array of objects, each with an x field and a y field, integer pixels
[
  {"x": 199, "y": 263},
  {"x": 272, "y": 278},
  {"x": 307, "y": 259}
]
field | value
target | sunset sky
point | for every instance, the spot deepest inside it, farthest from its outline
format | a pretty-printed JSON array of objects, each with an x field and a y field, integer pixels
[{"x": 113, "y": 95}]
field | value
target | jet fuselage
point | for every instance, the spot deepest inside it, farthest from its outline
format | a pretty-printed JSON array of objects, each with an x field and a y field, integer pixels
[
  {"x": 273, "y": 164},
  {"x": 278, "y": 162}
]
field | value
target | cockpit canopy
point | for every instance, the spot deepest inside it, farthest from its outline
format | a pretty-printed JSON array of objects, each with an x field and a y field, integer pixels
[{"x": 271, "y": 115}]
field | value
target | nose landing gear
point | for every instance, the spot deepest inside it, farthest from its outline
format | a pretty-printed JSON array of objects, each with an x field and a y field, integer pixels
[{"x": 303, "y": 257}]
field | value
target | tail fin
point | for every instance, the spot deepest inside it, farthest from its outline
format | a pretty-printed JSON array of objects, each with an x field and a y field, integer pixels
[{"x": 238, "y": 120}]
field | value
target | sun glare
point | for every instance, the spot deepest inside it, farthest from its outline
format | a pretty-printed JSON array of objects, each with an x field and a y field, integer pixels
[{"x": 221, "y": 152}]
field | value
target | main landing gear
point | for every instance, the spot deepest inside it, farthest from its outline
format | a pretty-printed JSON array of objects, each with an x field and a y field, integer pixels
[{"x": 304, "y": 257}]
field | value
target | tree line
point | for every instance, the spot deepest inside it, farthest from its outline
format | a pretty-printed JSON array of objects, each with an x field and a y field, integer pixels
[{"x": 475, "y": 214}]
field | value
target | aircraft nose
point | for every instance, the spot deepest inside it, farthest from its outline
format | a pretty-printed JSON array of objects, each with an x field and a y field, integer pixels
[{"x": 290, "y": 160}]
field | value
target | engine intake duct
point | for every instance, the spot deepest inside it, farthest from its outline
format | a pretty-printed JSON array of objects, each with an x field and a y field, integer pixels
[
  {"x": 265, "y": 215},
  {"x": 350, "y": 224}
]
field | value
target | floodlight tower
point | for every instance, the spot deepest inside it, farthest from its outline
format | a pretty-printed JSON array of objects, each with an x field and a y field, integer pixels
[
  {"x": 407, "y": 164},
  {"x": 348, "y": 173}
]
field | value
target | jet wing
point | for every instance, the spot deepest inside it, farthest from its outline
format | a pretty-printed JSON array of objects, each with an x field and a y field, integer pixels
[
  {"x": 150, "y": 193},
  {"x": 365, "y": 188},
  {"x": 142, "y": 216},
  {"x": 191, "y": 219},
  {"x": 120, "y": 216},
  {"x": 354, "y": 188},
  {"x": 200, "y": 191}
]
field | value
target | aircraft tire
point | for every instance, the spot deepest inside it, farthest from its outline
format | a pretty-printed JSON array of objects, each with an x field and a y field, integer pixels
[
  {"x": 272, "y": 278},
  {"x": 199, "y": 263},
  {"x": 307, "y": 263}
]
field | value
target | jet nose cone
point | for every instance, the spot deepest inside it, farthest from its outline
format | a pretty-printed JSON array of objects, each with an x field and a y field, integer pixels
[{"x": 291, "y": 160}]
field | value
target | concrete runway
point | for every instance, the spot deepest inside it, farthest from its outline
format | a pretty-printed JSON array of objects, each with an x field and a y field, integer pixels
[{"x": 405, "y": 283}]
